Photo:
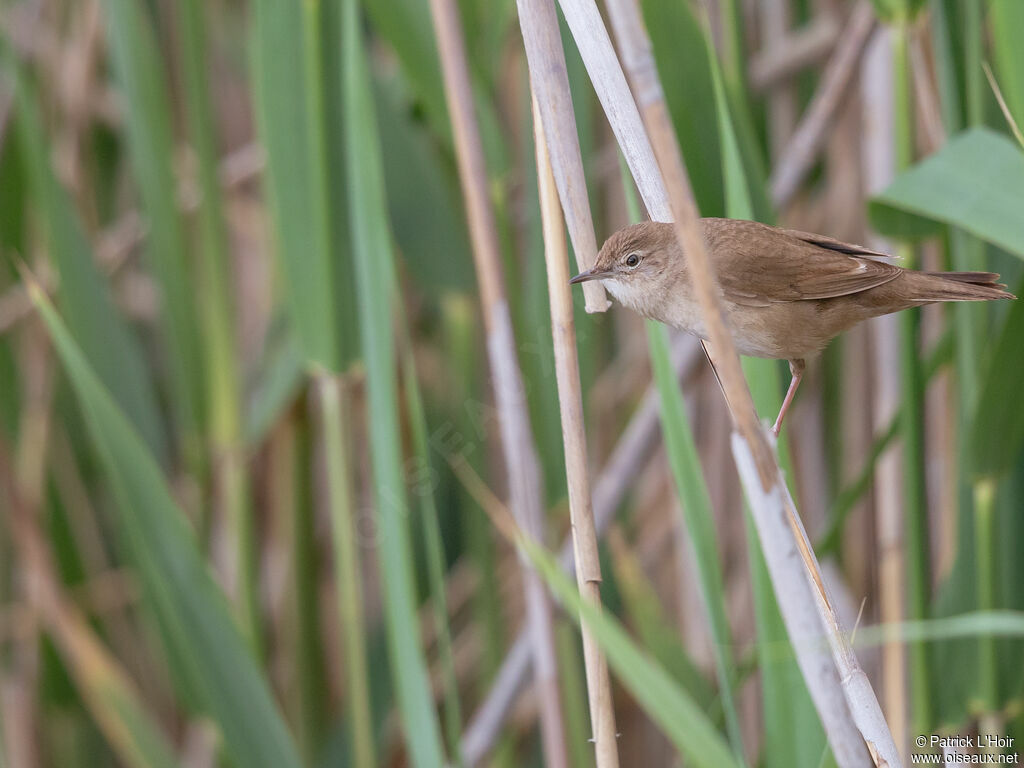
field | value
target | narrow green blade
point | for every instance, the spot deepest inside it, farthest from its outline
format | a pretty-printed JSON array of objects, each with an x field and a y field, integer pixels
[
  {"x": 82, "y": 291},
  {"x": 374, "y": 267},
  {"x": 194, "y": 616},
  {"x": 676, "y": 713},
  {"x": 139, "y": 71},
  {"x": 286, "y": 72}
]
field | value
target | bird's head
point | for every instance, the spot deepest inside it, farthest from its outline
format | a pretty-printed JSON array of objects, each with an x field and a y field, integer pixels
[{"x": 636, "y": 262}]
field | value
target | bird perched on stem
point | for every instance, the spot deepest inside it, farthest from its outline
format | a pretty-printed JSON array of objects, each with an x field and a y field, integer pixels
[{"x": 787, "y": 294}]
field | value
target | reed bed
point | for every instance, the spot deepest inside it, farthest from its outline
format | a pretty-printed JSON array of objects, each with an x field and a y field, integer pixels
[{"x": 295, "y": 398}]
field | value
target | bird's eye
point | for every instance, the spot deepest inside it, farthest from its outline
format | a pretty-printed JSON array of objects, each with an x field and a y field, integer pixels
[{"x": 632, "y": 260}]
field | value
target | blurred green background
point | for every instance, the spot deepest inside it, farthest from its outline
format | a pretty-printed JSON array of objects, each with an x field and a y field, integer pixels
[{"x": 247, "y": 430}]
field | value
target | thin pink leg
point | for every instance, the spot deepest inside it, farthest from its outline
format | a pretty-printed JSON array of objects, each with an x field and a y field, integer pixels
[{"x": 796, "y": 368}]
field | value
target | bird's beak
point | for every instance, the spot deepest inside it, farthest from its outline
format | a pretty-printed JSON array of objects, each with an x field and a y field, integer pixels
[{"x": 583, "y": 277}]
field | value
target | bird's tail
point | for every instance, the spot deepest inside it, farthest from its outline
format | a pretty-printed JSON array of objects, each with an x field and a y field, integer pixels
[{"x": 961, "y": 286}]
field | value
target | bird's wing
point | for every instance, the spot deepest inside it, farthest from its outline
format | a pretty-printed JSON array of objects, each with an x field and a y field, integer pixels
[
  {"x": 760, "y": 265},
  {"x": 831, "y": 244}
]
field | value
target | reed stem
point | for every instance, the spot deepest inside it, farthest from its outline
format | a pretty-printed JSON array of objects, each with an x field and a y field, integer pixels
[
  {"x": 520, "y": 454},
  {"x": 570, "y": 400},
  {"x": 335, "y": 424},
  {"x": 915, "y": 501}
]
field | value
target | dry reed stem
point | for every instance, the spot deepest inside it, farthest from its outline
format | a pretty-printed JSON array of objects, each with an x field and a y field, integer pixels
[
  {"x": 595, "y": 47},
  {"x": 775, "y": 20},
  {"x": 550, "y": 84},
  {"x": 797, "y": 589},
  {"x": 639, "y": 64},
  {"x": 520, "y": 455},
  {"x": 794, "y": 52},
  {"x": 570, "y": 402},
  {"x": 629, "y": 456},
  {"x": 802, "y": 609},
  {"x": 806, "y": 143},
  {"x": 117, "y": 242},
  {"x": 89, "y": 663},
  {"x": 879, "y": 165}
]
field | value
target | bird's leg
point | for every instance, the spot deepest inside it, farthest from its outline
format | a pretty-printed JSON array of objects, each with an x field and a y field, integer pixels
[{"x": 796, "y": 368}]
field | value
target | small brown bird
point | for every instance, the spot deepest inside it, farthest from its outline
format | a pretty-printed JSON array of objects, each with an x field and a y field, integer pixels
[{"x": 786, "y": 293}]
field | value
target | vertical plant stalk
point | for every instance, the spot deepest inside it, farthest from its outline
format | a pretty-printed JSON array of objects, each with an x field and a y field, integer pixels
[
  {"x": 799, "y": 154},
  {"x": 851, "y": 720},
  {"x": 775, "y": 21},
  {"x": 550, "y": 86},
  {"x": 375, "y": 283},
  {"x": 517, "y": 441},
  {"x": 598, "y": 54},
  {"x": 793, "y": 586},
  {"x": 878, "y": 107},
  {"x": 136, "y": 59},
  {"x": 107, "y": 691},
  {"x": 984, "y": 542},
  {"x": 630, "y": 455},
  {"x": 697, "y": 513},
  {"x": 969, "y": 254},
  {"x": 224, "y": 392},
  {"x": 570, "y": 400},
  {"x": 916, "y": 548},
  {"x": 639, "y": 64},
  {"x": 287, "y": 492},
  {"x": 433, "y": 545},
  {"x": 335, "y": 424}
]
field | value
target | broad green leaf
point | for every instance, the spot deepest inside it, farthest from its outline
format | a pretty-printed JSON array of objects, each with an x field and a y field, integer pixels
[
  {"x": 288, "y": 100},
  {"x": 140, "y": 73},
  {"x": 375, "y": 280},
  {"x": 997, "y": 429},
  {"x": 82, "y": 291},
  {"x": 194, "y": 617},
  {"x": 678, "y": 716},
  {"x": 975, "y": 182}
]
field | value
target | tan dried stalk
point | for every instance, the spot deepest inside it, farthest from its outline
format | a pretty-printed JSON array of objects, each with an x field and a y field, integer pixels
[
  {"x": 520, "y": 455},
  {"x": 879, "y": 167},
  {"x": 805, "y": 145},
  {"x": 570, "y": 402},
  {"x": 630, "y": 455},
  {"x": 550, "y": 83},
  {"x": 845, "y": 701},
  {"x": 779, "y": 60},
  {"x": 96, "y": 673},
  {"x": 639, "y": 64},
  {"x": 782, "y": 106}
]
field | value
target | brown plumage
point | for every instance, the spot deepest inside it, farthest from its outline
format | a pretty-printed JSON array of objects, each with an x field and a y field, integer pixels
[{"x": 786, "y": 293}]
